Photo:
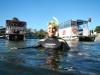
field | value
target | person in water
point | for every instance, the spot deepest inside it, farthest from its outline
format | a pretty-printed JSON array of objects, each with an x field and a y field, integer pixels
[
  {"x": 51, "y": 41},
  {"x": 52, "y": 45}
]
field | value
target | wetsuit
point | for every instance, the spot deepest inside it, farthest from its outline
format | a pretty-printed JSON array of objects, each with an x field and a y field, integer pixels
[{"x": 53, "y": 44}]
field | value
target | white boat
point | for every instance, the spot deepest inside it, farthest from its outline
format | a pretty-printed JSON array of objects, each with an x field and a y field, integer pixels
[
  {"x": 69, "y": 32},
  {"x": 74, "y": 31}
]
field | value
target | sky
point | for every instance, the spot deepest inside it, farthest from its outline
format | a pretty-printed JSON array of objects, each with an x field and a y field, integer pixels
[{"x": 37, "y": 13}]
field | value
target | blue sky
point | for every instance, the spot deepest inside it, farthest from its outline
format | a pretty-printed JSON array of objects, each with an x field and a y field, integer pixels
[{"x": 37, "y": 13}]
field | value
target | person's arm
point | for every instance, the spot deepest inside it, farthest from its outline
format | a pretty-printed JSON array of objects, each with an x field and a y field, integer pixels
[
  {"x": 64, "y": 45},
  {"x": 14, "y": 48},
  {"x": 37, "y": 45}
]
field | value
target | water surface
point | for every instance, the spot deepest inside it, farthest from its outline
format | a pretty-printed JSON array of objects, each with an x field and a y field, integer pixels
[{"x": 83, "y": 59}]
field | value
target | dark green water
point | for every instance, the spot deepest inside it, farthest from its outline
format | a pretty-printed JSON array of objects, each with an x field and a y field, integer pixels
[{"x": 84, "y": 59}]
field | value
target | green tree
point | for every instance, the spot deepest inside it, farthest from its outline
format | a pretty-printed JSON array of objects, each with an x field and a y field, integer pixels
[
  {"x": 97, "y": 29},
  {"x": 41, "y": 33}
]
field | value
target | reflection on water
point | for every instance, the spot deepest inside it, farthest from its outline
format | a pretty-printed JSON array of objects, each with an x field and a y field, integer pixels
[{"x": 82, "y": 59}]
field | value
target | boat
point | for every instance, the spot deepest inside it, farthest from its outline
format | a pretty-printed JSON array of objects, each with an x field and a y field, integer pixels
[
  {"x": 74, "y": 31},
  {"x": 84, "y": 33},
  {"x": 68, "y": 30}
]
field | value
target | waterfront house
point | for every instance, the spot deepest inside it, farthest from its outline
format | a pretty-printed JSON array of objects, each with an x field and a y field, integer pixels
[{"x": 15, "y": 29}]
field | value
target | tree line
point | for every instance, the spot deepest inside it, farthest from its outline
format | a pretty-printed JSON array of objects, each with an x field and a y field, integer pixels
[
  {"x": 36, "y": 34},
  {"x": 97, "y": 29},
  {"x": 40, "y": 33}
]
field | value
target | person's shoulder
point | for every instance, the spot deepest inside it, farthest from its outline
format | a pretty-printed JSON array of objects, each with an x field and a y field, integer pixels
[
  {"x": 42, "y": 39},
  {"x": 64, "y": 43}
]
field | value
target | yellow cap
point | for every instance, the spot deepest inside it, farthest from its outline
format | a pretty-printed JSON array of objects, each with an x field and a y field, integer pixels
[{"x": 53, "y": 23}]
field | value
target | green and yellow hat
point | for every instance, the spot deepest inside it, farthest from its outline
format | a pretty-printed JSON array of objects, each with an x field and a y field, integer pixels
[{"x": 53, "y": 22}]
